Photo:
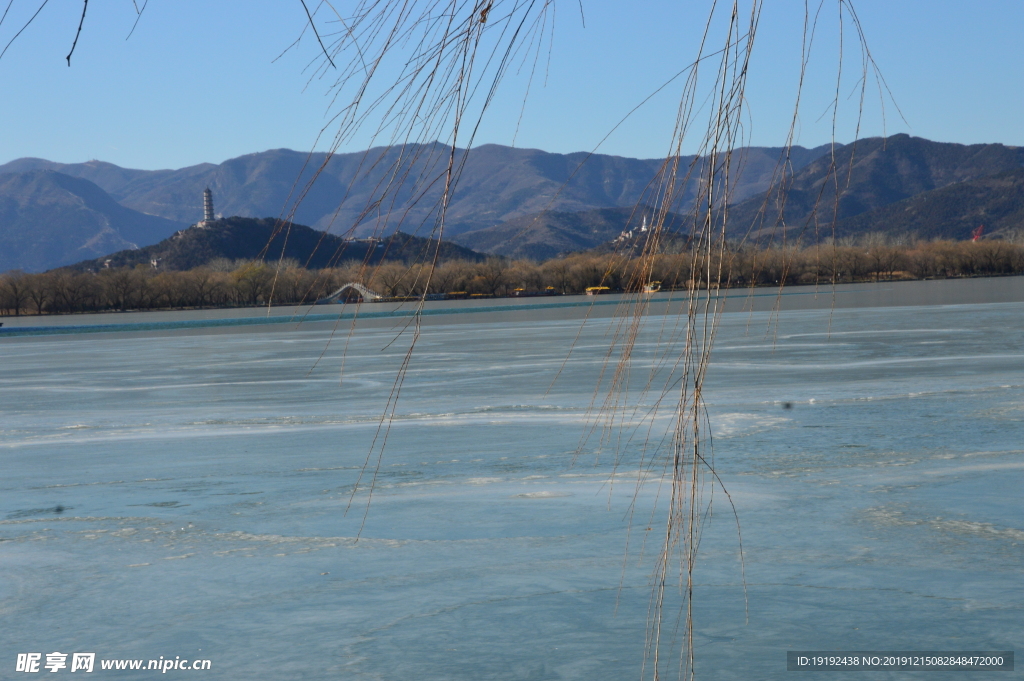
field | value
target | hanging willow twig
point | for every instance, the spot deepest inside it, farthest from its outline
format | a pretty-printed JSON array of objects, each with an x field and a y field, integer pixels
[
  {"x": 449, "y": 58},
  {"x": 711, "y": 118},
  {"x": 74, "y": 44}
]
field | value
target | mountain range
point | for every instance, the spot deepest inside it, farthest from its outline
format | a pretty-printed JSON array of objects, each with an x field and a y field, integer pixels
[
  {"x": 49, "y": 219},
  {"x": 867, "y": 176},
  {"x": 497, "y": 183},
  {"x": 993, "y": 202},
  {"x": 508, "y": 201}
]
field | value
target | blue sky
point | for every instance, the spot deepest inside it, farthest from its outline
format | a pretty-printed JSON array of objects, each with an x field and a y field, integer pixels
[{"x": 197, "y": 81}]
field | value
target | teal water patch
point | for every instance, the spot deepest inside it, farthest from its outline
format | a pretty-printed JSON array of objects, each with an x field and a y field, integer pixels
[
  {"x": 280, "y": 319},
  {"x": 134, "y": 327}
]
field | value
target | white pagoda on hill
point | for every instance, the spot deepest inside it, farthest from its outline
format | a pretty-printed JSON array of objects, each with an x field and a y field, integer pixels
[{"x": 208, "y": 215}]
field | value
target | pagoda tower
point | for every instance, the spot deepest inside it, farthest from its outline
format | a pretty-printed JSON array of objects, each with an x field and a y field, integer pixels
[{"x": 208, "y": 206}]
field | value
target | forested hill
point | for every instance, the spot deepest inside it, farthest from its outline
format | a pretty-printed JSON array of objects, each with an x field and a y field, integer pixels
[{"x": 238, "y": 238}]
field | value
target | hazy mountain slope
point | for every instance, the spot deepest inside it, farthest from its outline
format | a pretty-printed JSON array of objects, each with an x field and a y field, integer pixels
[
  {"x": 873, "y": 173},
  {"x": 544, "y": 235},
  {"x": 498, "y": 186},
  {"x": 107, "y": 176},
  {"x": 251, "y": 238},
  {"x": 953, "y": 212},
  {"x": 48, "y": 219},
  {"x": 498, "y": 183}
]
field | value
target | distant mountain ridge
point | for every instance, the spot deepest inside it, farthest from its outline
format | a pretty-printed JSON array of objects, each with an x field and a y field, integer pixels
[
  {"x": 498, "y": 183},
  {"x": 872, "y": 173},
  {"x": 48, "y": 219},
  {"x": 104, "y": 175},
  {"x": 994, "y": 202}
]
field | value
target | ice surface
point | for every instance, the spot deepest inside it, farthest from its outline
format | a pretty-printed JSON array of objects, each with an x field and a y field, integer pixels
[{"x": 186, "y": 494}]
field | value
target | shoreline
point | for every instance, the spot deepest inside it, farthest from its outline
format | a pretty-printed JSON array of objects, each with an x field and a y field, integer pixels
[{"x": 978, "y": 290}]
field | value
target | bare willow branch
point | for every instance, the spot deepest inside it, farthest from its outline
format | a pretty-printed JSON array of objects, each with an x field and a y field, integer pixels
[
  {"x": 316, "y": 33},
  {"x": 138, "y": 16},
  {"x": 85, "y": 6},
  {"x": 22, "y": 29},
  {"x": 6, "y": 10}
]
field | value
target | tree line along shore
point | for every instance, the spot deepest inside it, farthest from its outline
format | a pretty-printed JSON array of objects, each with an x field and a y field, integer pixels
[{"x": 226, "y": 283}]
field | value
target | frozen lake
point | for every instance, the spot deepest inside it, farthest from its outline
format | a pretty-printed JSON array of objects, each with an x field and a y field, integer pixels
[{"x": 183, "y": 491}]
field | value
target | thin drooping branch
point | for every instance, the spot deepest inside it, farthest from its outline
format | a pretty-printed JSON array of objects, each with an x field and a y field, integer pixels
[
  {"x": 6, "y": 10},
  {"x": 85, "y": 6},
  {"x": 138, "y": 16},
  {"x": 448, "y": 59},
  {"x": 312, "y": 25},
  {"x": 22, "y": 29}
]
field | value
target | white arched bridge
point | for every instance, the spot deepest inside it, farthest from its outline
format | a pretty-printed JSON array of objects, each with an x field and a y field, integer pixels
[{"x": 366, "y": 293}]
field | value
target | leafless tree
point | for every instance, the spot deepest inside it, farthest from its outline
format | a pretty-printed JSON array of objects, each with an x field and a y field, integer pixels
[
  {"x": 493, "y": 275},
  {"x": 392, "y": 279},
  {"x": 72, "y": 291},
  {"x": 14, "y": 291},
  {"x": 451, "y": 276},
  {"x": 122, "y": 287},
  {"x": 253, "y": 280},
  {"x": 200, "y": 286}
]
